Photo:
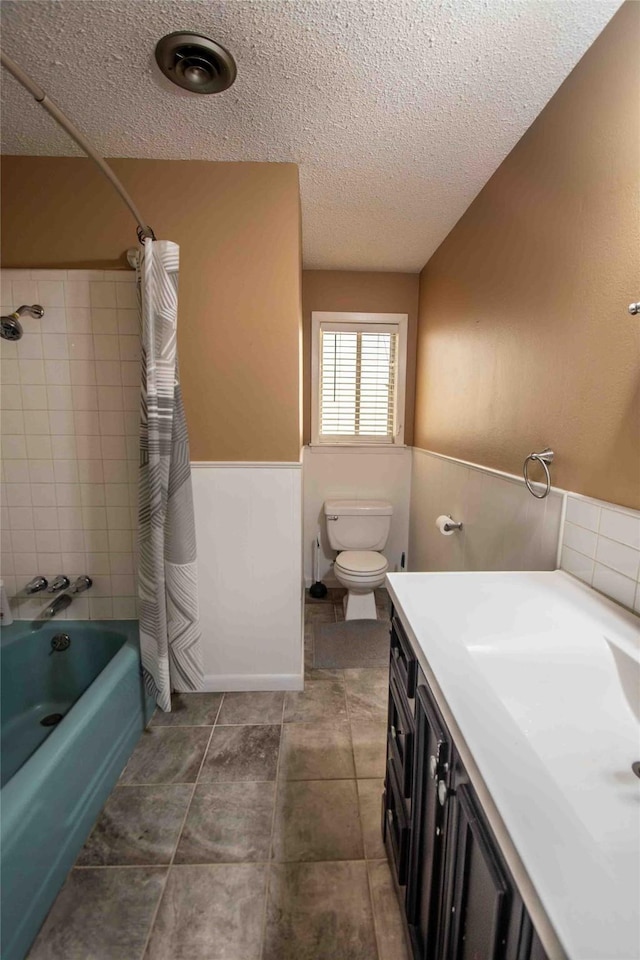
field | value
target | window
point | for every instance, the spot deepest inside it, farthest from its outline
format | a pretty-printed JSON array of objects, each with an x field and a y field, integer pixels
[{"x": 358, "y": 373}]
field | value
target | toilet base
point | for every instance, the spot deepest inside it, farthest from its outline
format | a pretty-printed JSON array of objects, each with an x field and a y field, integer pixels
[{"x": 360, "y": 606}]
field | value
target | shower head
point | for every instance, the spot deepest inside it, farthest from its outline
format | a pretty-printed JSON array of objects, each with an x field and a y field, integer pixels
[
  {"x": 195, "y": 63},
  {"x": 10, "y": 326}
]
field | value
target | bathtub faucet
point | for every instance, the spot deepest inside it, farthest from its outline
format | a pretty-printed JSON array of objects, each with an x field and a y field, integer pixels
[{"x": 61, "y": 602}]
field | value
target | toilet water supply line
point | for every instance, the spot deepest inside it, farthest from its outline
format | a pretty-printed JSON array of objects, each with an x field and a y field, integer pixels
[{"x": 144, "y": 230}]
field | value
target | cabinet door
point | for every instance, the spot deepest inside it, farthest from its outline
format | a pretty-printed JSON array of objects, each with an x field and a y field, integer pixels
[
  {"x": 431, "y": 776},
  {"x": 478, "y": 898}
]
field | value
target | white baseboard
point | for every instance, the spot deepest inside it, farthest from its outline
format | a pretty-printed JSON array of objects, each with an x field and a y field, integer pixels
[{"x": 221, "y": 683}]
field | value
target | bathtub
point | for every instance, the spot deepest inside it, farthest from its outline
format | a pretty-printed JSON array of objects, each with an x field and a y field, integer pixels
[{"x": 56, "y": 778}]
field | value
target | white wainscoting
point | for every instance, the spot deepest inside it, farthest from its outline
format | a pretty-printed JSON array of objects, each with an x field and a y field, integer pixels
[
  {"x": 358, "y": 474},
  {"x": 504, "y": 526},
  {"x": 248, "y": 527}
]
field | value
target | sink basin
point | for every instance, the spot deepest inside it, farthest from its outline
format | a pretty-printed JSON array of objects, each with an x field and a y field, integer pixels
[{"x": 627, "y": 661}]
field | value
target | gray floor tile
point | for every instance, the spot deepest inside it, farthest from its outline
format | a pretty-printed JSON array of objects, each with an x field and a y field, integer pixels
[
  {"x": 228, "y": 823},
  {"x": 392, "y": 944},
  {"x": 367, "y": 692},
  {"x": 369, "y": 748},
  {"x": 210, "y": 912},
  {"x": 138, "y": 825},
  {"x": 242, "y": 753},
  {"x": 339, "y": 611},
  {"x": 314, "y": 673},
  {"x": 101, "y": 914},
  {"x": 189, "y": 710},
  {"x": 317, "y": 820},
  {"x": 167, "y": 755},
  {"x": 251, "y": 708},
  {"x": 370, "y": 801},
  {"x": 320, "y": 700},
  {"x": 316, "y": 751},
  {"x": 319, "y": 911}
]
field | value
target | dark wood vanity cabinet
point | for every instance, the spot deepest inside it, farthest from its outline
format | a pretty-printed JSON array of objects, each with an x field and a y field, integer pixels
[{"x": 459, "y": 899}]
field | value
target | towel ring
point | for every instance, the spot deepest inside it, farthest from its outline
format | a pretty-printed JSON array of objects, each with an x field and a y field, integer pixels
[{"x": 545, "y": 457}]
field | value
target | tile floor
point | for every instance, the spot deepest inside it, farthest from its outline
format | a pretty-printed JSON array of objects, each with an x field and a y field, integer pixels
[{"x": 244, "y": 827}]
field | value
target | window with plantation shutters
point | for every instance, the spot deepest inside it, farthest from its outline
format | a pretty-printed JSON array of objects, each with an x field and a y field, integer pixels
[{"x": 358, "y": 378}]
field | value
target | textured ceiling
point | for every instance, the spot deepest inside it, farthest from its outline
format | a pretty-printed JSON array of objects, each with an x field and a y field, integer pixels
[{"x": 397, "y": 111}]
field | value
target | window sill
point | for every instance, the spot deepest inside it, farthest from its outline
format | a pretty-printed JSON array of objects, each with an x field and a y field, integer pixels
[{"x": 393, "y": 448}]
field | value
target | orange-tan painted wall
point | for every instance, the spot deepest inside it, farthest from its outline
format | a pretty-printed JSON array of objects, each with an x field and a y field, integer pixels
[
  {"x": 238, "y": 226},
  {"x": 524, "y": 338},
  {"x": 360, "y": 292}
]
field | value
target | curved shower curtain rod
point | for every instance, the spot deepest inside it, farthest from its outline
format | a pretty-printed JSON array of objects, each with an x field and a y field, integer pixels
[{"x": 144, "y": 230}]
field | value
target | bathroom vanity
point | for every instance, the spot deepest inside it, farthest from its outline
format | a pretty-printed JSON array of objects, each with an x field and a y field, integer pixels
[{"x": 510, "y": 808}]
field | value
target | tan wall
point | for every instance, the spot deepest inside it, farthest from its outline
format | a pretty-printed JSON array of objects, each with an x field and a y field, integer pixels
[
  {"x": 238, "y": 226},
  {"x": 524, "y": 336},
  {"x": 355, "y": 291}
]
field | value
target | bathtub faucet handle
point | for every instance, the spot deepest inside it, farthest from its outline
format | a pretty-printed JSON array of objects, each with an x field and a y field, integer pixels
[
  {"x": 80, "y": 584},
  {"x": 59, "y": 583},
  {"x": 36, "y": 585}
]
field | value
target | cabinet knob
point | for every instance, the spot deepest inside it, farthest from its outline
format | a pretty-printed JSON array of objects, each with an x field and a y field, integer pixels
[{"x": 443, "y": 792}]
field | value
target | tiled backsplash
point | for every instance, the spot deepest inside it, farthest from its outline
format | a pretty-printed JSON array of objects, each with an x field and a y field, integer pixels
[
  {"x": 70, "y": 424},
  {"x": 601, "y": 545}
]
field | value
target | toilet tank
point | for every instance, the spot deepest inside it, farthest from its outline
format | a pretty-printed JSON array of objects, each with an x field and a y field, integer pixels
[{"x": 357, "y": 524}]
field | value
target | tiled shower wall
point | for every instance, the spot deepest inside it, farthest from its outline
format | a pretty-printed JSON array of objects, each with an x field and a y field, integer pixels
[{"x": 69, "y": 429}]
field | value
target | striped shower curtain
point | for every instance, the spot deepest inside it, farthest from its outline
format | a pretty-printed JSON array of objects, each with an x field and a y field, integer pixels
[{"x": 169, "y": 629}]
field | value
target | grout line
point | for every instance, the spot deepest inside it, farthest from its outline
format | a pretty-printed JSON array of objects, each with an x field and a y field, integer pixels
[
  {"x": 373, "y": 911},
  {"x": 271, "y": 835},
  {"x": 178, "y": 838}
]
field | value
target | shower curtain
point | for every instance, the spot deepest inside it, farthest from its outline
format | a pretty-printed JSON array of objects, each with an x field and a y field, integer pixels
[{"x": 169, "y": 629}]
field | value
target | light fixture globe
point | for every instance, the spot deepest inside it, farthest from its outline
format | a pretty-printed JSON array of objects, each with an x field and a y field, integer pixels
[{"x": 195, "y": 63}]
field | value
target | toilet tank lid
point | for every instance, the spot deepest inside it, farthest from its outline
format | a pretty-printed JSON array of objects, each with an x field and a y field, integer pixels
[{"x": 354, "y": 508}]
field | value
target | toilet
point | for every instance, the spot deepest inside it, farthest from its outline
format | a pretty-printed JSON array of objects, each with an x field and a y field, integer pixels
[{"x": 358, "y": 529}]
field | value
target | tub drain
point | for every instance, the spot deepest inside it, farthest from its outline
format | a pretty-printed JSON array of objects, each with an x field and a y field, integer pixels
[{"x": 51, "y": 719}]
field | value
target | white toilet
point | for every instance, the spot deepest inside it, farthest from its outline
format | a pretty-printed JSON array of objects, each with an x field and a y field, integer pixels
[{"x": 359, "y": 529}]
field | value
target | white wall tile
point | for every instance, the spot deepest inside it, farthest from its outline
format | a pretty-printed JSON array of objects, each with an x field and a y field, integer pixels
[
  {"x": 34, "y": 397},
  {"x": 613, "y": 543},
  {"x": 104, "y": 321},
  {"x": 54, "y": 321},
  {"x": 32, "y": 372},
  {"x": 622, "y": 527},
  {"x": 41, "y": 471},
  {"x": 77, "y": 293},
  {"x": 614, "y": 585},
  {"x": 55, "y": 514},
  {"x": 106, "y": 347},
  {"x": 12, "y": 422},
  {"x": 16, "y": 471},
  {"x": 65, "y": 471},
  {"x": 36, "y": 423},
  {"x": 102, "y": 294},
  {"x": 55, "y": 346},
  {"x": 51, "y": 293},
  {"x": 85, "y": 397},
  {"x": 81, "y": 346},
  {"x": 619, "y": 557},
  {"x": 78, "y": 320},
  {"x": 584, "y": 513}
]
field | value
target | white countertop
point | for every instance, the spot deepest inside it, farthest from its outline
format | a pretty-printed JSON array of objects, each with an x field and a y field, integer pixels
[{"x": 542, "y": 677}]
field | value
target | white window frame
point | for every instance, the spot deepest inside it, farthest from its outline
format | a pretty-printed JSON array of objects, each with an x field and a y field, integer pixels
[{"x": 349, "y": 319}]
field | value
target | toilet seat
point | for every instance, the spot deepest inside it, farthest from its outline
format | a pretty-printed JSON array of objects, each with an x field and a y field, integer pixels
[{"x": 361, "y": 563}]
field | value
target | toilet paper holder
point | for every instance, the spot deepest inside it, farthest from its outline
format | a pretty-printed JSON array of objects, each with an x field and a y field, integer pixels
[{"x": 454, "y": 525}]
